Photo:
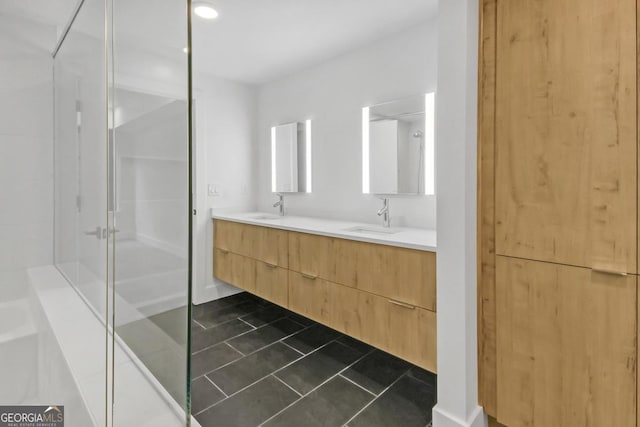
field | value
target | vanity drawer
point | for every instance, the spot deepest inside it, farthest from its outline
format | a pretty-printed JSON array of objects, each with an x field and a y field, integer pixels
[
  {"x": 323, "y": 301},
  {"x": 235, "y": 269},
  {"x": 262, "y": 243},
  {"x": 325, "y": 257},
  {"x": 403, "y": 330},
  {"x": 405, "y": 275},
  {"x": 400, "y": 274},
  {"x": 271, "y": 283}
]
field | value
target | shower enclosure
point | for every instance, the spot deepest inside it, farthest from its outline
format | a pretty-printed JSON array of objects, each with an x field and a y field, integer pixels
[{"x": 106, "y": 336}]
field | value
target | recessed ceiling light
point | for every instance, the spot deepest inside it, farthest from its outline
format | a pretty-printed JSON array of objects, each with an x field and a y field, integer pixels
[
  {"x": 205, "y": 10},
  {"x": 185, "y": 49}
]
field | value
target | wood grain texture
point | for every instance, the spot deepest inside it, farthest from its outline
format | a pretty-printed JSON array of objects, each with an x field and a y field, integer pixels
[
  {"x": 406, "y": 331},
  {"x": 326, "y": 302},
  {"x": 487, "y": 393},
  {"x": 403, "y": 330},
  {"x": 566, "y": 147},
  {"x": 271, "y": 283},
  {"x": 402, "y": 274},
  {"x": 566, "y": 345},
  {"x": 262, "y": 243},
  {"x": 494, "y": 423},
  {"x": 235, "y": 269}
]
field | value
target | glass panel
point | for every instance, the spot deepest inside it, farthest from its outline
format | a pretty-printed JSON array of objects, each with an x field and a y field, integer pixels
[
  {"x": 151, "y": 209},
  {"x": 80, "y": 210}
]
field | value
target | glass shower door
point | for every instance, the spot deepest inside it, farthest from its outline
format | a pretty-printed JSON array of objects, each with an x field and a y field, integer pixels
[
  {"x": 122, "y": 206},
  {"x": 150, "y": 207},
  {"x": 80, "y": 226}
]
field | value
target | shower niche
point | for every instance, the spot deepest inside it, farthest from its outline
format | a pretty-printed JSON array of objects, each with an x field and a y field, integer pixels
[{"x": 398, "y": 146}]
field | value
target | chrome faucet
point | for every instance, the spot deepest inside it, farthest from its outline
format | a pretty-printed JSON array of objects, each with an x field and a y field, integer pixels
[
  {"x": 384, "y": 213},
  {"x": 280, "y": 203}
]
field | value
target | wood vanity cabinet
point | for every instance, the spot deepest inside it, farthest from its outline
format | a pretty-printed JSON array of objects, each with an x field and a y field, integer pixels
[
  {"x": 271, "y": 283},
  {"x": 558, "y": 212},
  {"x": 379, "y": 294},
  {"x": 405, "y": 275},
  {"x": 234, "y": 268},
  {"x": 260, "y": 243}
]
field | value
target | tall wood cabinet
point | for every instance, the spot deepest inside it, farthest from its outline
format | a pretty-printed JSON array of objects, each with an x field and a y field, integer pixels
[{"x": 558, "y": 212}]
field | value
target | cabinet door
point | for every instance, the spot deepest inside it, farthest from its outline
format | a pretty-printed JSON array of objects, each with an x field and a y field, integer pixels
[
  {"x": 261, "y": 243},
  {"x": 234, "y": 269},
  {"x": 566, "y": 132},
  {"x": 406, "y": 331},
  {"x": 271, "y": 283},
  {"x": 566, "y": 345}
]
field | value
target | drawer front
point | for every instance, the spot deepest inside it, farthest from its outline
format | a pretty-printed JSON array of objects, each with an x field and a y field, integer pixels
[
  {"x": 310, "y": 296},
  {"x": 261, "y": 243},
  {"x": 271, "y": 283},
  {"x": 401, "y": 274},
  {"x": 320, "y": 256},
  {"x": 403, "y": 330},
  {"x": 405, "y": 275},
  {"x": 234, "y": 269}
]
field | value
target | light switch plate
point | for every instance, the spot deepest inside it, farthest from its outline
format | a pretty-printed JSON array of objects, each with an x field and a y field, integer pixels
[{"x": 213, "y": 190}]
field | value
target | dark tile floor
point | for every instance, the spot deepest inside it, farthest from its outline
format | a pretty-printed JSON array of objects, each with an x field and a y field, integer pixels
[{"x": 255, "y": 363}]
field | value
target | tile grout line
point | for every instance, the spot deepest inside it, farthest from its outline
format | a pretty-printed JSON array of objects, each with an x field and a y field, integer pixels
[
  {"x": 258, "y": 380},
  {"x": 358, "y": 385},
  {"x": 244, "y": 321},
  {"x": 265, "y": 346},
  {"x": 230, "y": 320},
  {"x": 282, "y": 381},
  {"x": 223, "y": 341},
  {"x": 292, "y": 348},
  {"x": 377, "y": 397},
  {"x": 216, "y": 386},
  {"x": 302, "y": 355},
  {"x": 214, "y": 404},
  {"x": 271, "y": 373},
  {"x": 243, "y": 355},
  {"x": 319, "y": 385},
  {"x": 197, "y": 323}
]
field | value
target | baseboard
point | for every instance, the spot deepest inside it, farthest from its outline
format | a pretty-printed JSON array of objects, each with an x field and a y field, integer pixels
[{"x": 442, "y": 418}]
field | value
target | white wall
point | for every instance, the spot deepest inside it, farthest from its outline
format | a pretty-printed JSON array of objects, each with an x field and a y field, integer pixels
[
  {"x": 153, "y": 171},
  {"x": 26, "y": 151},
  {"x": 225, "y": 155},
  {"x": 456, "y": 143},
  {"x": 332, "y": 95}
]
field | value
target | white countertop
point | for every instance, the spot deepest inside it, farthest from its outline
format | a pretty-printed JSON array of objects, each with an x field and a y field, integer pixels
[{"x": 412, "y": 238}]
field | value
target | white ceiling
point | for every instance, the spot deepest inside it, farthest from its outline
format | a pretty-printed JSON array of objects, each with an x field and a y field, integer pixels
[
  {"x": 252, "y": 41},
  {"x": 256, "y": 41},
  {"x": 51, "y": 12}
]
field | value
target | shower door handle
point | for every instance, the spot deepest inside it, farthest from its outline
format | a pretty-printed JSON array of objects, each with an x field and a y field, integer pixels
[{"x": 97, "y": 232}]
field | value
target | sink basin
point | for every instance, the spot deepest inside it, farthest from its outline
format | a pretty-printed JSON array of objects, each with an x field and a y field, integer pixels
[
  {"x": 265, "y": 217},
  {"x": 371, "y": 230}
]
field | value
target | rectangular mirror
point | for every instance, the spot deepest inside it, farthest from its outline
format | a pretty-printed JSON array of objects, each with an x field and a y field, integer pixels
[
  {"x": 398, "y": 147},
  {"x": 291, "y": 158}
]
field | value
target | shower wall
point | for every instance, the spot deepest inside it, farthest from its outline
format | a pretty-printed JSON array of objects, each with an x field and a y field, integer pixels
[
  {"x": 33, "y": 370},
  {"x": 26, "y": 151}
]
